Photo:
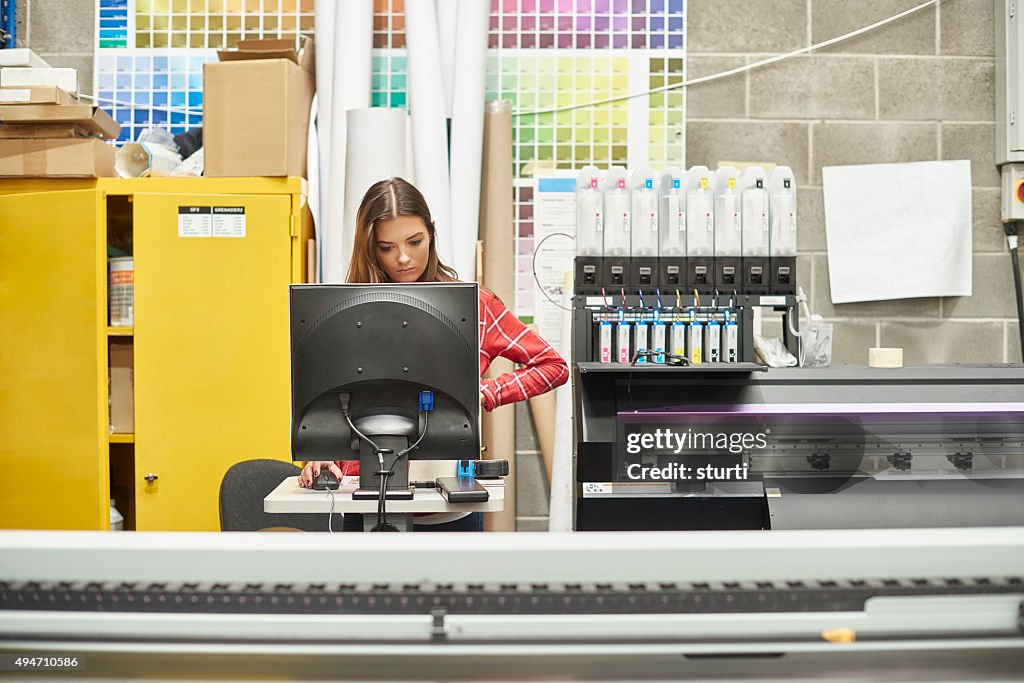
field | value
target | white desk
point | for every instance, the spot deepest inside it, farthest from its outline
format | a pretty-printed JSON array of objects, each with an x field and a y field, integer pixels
[{"x": 288, "y": 497}]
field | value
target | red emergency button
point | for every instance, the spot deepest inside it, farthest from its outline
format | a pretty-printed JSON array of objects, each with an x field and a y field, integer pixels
[{"x": 1020, "y": 191}]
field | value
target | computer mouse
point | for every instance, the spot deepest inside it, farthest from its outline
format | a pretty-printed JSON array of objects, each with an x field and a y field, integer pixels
[{"x": 325, "y": 480}]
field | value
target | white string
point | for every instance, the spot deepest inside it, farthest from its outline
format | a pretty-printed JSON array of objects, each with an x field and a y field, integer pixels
[{"x": 731, "y": 72}]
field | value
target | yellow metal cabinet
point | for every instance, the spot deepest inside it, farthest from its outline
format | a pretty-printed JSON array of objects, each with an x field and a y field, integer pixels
[
  {"x": 53, "y": 418},
  {"x": 210, "y": 345}
]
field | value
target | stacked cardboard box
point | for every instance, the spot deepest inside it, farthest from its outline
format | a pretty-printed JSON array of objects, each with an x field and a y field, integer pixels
[
  {"x": 44, "y": 132},
  {"x": 256, "y": 103}
]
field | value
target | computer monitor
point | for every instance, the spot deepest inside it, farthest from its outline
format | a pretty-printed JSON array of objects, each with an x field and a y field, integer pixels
[{"x": 370, "y": 350}]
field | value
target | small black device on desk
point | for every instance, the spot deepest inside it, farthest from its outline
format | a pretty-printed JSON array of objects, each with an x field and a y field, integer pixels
[
  {"x": 325, "y": 480},
  {"x": 465, "y": 488}
]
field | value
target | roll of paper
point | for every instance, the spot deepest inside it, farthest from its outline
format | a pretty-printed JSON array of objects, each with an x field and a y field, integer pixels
[
  {"x": 499, "y": 277},
  {"x": 350, "y": 89},
  {"x": 496, "y": 209},
  {"x": 376, "y": 151},
  {"x": 467, "y": 133},
  {"x": 560, "y": 509},
  {"x": 429, "y": 129},
  {"x": 447, "y": 20}
]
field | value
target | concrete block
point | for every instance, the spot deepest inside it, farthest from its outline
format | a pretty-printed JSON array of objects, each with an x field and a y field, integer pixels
[
  {"x": 532, "y": 524},
  {"x": 945, "y": 342},
  {"x": 851, "y": 340},
  {"x": 532, "y": 493},
  {"x": 840, "y": 144},
  {"x": 821, "y": 301},
  {"x": 992, "y": 290},
  {"x": 64, "y": 26},
  {"x": 974, "y": 141},
  {"x": 82, "y": 63},
  {"x": 936, "y": 89},
  {"x": 913, "y": 34},
  {"x": 987, "y": 233},
  {"x": 526, "y": 436},
  {"x": 776, "y": 26},
  {"x": 21, "y": 37},
  {"x": 814, "y": 87},
  {"x": 724, "y": 98},
  {"x": 966, "y": 27},
  {"x": 810, "y": 219},
  {"x": 708, "y": 142}
]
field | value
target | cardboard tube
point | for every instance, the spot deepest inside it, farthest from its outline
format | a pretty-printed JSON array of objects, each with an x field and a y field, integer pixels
[
  {"x": 496, "y": 213},
  {"x": 542, "y": 408}
]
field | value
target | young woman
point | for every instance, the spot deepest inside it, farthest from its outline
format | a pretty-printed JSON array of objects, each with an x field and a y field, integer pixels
[{"x": 395, "y": 241}]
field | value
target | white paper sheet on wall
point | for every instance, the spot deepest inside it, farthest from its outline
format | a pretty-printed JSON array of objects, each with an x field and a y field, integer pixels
[{"x": 898, "y": 231}]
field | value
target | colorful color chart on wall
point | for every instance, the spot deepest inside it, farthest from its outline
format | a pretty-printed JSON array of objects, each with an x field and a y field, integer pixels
[
  {"x": 149, "y": 61},
  {"x": 558, "y": 61}
]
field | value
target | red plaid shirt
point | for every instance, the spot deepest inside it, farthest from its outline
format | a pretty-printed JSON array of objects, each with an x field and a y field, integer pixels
[{"x": 503, "y": 335}]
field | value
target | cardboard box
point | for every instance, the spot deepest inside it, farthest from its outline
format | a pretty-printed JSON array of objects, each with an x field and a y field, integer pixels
[
  {"x": 256, "y": 104},
  {"x": 41, "y": 131},
  {"x": 122, "y": 387},
  {"x": 56, "y": 158},
  {"x": 34, "y": 94},
  {"x": 91, "y": 119},
  {"x": 64, "y": 78}
]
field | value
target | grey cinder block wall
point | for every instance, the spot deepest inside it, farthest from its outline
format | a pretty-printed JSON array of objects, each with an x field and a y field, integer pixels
[
  {"x": 920, "y": 89},
  {"x": 917, "y": 90}
]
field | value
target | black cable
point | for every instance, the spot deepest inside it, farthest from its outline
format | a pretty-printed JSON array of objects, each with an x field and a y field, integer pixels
[
  {"x": 382, "y": 514},
  {"x": 1011, "y": 239},
  {"x": 536, "y": 250}
]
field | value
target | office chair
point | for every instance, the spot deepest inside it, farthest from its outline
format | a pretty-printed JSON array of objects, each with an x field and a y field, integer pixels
[{"x": 243, "y": 489}]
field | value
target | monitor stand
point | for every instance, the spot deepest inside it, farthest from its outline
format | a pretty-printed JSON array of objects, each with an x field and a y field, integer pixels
[{"x": 369, "y": 464}]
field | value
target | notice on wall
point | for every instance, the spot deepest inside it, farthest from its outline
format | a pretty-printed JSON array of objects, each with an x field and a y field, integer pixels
[
  {"x": 211, "y": 221},
  {"x": 554, "y": 216},
  {"x": 898, "y": 231}
]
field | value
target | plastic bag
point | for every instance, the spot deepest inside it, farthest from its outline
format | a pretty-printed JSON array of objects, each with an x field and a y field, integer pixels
[{"x": 773, "y": 352}]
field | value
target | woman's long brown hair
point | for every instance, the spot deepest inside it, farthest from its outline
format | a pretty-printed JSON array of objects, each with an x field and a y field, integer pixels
[{"x": 385, "y": 200}]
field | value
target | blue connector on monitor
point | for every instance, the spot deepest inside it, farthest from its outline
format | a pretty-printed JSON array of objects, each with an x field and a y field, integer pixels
[{"x": 426, "y": 401}]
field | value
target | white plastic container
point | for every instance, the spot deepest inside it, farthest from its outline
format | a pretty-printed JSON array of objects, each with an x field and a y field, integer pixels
[
  {"x": 121, "y": 291},
  {"x": 116, "y": 518}
]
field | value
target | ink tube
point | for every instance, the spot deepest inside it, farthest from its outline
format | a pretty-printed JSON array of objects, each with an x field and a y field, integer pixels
[
  {"x": 678, "y": 338},
  {"x": 642, "y": 329},
  {"x": 714, "y": 341},
  {"x": 605, "y": 341},
  {"x": 731, "y": 339},
  {"x": 696, "y": 339},
  {"x": 622, "y": 345},
  {"x": 658, "y": 342}
]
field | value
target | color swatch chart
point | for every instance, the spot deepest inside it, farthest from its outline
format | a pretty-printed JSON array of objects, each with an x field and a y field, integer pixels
[
  {"x": 217, "y": 23},
  {"x": 148, "y": 69}
]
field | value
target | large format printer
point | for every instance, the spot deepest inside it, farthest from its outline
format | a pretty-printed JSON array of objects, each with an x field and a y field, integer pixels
[
  {"x": 839, "y": 447},
  {"x": 925, "y": 604}
]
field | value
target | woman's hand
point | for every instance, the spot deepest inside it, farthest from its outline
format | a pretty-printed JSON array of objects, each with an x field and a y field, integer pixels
[
  {"x": 312, "y": 469},
  {"x": 483, "y": 400}
]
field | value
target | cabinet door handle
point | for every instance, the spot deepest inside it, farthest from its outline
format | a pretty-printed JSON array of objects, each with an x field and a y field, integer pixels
[{"x": 151, "y": 477}]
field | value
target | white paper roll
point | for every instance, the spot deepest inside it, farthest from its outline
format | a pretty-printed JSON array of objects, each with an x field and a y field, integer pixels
[
  {"x": 560, "y": 508},
  {"x": 467, "y": 133},
  {"x": 447, "y": 11},
  {"x": 313, "y": 177},
  {"x": 429, "y": 132},
  {"x": 324, "y": 34},
  {"x": 352, "y": 70},
  {"x": 376, "y": 151}
]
